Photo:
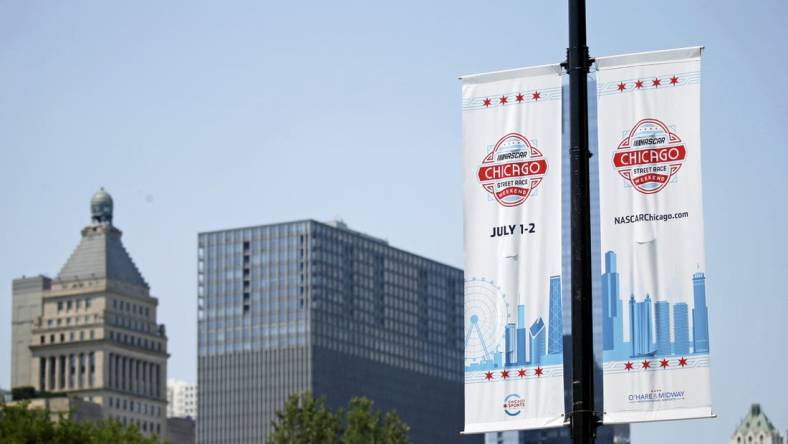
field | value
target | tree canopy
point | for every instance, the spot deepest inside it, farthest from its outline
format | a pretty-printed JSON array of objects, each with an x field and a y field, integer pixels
[
  {"x": 22, "y": 425},
  {"x": 306, "y": 420}
]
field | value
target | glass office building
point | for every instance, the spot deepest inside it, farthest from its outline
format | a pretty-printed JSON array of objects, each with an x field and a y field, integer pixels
[{"x": 305, "y": 305}]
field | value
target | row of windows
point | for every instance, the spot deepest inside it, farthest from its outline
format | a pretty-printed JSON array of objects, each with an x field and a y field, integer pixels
[
  {"x": 67, "y": 321},
  {"x": 273, "y": 258},
  {"x": 72, "y": 336},
  {"x": 250, "y": 345},
  {"x": 141, "y": 408},
  {"x": 130, "y": 308},
  {"x": 134, "y": 341},
  {"x": 132, "y": 324},
  {"x": 253, "y": 234},
  {"x": 70, "y": 304}
]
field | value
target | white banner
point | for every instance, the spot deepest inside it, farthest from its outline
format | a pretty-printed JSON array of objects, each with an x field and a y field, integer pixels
[
  {"x": 513, "y": 319},
  {"x": 655, "y": 306}
]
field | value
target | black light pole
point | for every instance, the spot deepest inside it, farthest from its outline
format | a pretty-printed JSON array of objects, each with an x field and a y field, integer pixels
[{"x": 583, "y": 419}]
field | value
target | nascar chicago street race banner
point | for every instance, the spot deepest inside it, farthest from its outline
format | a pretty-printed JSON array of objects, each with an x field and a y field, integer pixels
[
  {"x": 655, "y": 307},
  {"x": 513, "y": 320}
]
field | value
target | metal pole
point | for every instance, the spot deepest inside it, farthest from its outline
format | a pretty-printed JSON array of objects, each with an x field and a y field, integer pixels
[{"x": 583, "y": 419}]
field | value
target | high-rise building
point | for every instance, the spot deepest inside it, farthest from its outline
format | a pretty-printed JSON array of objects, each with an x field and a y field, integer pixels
[
  {"x": 92, "y": 330},
  {"x": 537, "y": 341},
  {"x": 680, "y": 329},
  {"x": 700, "y": 315},
  {"x": 756, "y": 427},
  {"x": 640, "y": 326},
  {"x": 610, "y": 301},
  {"x": 662, "y": 318},
  {"x": 309, "y": 306},
  {"x": 555, "y": 335},
  {"x": 606, "y": 434},
  {"x": 27, "y": 293},
  {"x": 181, "y": 399}
]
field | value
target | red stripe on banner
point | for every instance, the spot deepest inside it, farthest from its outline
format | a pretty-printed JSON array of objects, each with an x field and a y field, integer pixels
[
  {"x": 513, "y": 191},
  {"x": 650, "y": 178},
  {"x": 511, "y": 170},
  {"x": 630, "y": 158}
]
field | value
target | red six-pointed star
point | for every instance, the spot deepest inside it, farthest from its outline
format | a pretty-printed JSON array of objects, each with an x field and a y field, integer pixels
[
  {"x": 487, "y": 102},
  {"x": 521, "y": 372},
  {"x": 520, "y": 98},
  {"x": 505, "y": 374},
  {"x": 538, "y": 371},
  {"x": 488, "y": 376},
  {"x": 664, "y": 363},
  {"x": 628, "y": 366},
  {"x": 682, "y": 361},
  {"x": 645, "y": 364},
  {"x": 536, "y": 95},
  {"x": 622, "y": 86},
  {"x": 674, "y": 80},
  {"x": 503, "y": 100},
  {"x": 639, "y": 84},
  {"x": 656, "y": 82}
]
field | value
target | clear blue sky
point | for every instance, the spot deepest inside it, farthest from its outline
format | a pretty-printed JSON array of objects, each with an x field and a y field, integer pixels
[{"x": 207, "y": 115}]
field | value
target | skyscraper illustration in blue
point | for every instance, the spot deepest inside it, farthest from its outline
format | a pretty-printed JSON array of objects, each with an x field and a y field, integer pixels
[
  {"x": 700, "y": 314},
  {"x": 555, "y": 336},
  {"x": 650, "y": 323},
  {"x": 523, "y": 345}
]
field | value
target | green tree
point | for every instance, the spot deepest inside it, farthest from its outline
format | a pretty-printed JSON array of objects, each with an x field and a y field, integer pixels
[
  {"x": 304, "y": 420},
  {"x": 22, "y": 425},
  {"x": 395, "y": 431}
]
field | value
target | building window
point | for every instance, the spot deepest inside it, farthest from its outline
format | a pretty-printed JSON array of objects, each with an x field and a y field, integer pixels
[
  {"x": 68, "y": 306},
  {"x": 43, "y": 339},
  {"x": 87, "y": 303},
  {"x": 60, "y": 306},
  {"x": 92, "y": 334}
]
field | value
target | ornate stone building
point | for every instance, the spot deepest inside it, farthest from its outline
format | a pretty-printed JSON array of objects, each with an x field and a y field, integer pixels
[
  {"x": 756, "y": 428},
  {"x": 91, "y": 332}
]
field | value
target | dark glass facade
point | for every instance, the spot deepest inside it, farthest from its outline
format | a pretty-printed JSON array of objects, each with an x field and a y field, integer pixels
[{"x": 311, "y": 306}]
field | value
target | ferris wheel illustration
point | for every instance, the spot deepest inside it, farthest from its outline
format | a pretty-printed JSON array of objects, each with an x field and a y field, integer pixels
[{"x": 486, "y": 312}]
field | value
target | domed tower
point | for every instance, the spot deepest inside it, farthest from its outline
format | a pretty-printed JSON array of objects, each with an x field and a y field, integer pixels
[
  {"x": 96, "y": 335},
  {"x": 101, "y": 207}
]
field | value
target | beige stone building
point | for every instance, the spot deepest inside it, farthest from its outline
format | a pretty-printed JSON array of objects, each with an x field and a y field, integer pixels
[{"x": 91, "y": 332}]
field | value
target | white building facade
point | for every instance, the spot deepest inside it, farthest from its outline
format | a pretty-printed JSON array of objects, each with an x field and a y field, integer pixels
[{"x": 181, "y": 399}]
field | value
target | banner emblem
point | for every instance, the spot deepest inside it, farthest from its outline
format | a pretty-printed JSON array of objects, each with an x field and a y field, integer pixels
[
  {"x": 513, "y": 405},
  {"x": 512, "y": 170},
  {"x": 649, "y": 156}
]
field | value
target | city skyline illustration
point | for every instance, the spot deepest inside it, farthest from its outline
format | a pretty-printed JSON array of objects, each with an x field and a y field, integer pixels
[
  {"x": 650, "y": 321},
  {"x": 522, "y": 345}
]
